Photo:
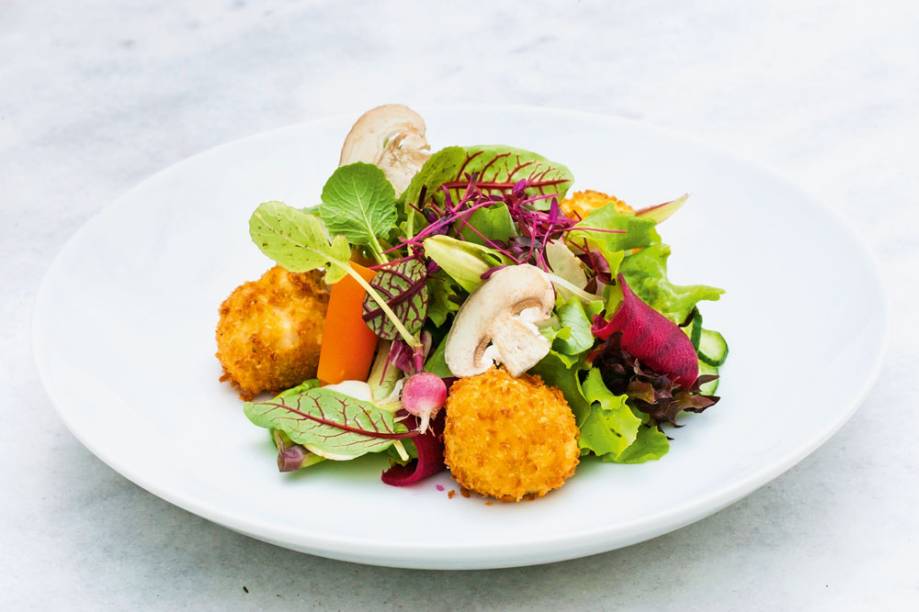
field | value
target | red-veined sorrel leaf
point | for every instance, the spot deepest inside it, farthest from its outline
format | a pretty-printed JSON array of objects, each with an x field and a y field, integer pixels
[
  {"x": 329, "y": 423},
  {"x": 661, "y": 212},
  {"x": 500, "y": 167},
  {"x": 656, "y": 341},
  {"x": 404, "y": 287},
  {"x": 497, "y": 168},
  {"x": 430, "y": 461}
]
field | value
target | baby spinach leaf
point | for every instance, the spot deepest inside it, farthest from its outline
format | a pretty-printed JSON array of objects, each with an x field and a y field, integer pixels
[
  {"x": 298, "y": 241},
  {"x": 328, "y": 423},
  {"x": 360, "y": 204},
  {"x": 404, "y": 287}
]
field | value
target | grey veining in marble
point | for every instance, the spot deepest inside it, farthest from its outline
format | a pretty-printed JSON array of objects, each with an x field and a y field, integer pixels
[{"x": 96, "y": 95}]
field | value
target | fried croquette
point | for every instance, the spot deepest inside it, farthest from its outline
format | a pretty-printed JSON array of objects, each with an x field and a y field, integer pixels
[
  {"x": 582, "y": 203},
  {"x": 270, "y": 330},
  {"x": 509, "y": 438}
]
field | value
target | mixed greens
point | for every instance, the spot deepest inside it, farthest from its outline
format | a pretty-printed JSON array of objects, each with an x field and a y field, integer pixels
[{"x": 625, "y": 345}]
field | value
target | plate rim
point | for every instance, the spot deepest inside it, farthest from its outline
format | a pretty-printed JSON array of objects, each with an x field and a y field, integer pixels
[{"x": 539, "y": 548}]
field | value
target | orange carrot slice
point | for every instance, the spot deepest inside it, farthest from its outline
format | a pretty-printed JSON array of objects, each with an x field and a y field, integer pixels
[{"x": 348, "y": 345}]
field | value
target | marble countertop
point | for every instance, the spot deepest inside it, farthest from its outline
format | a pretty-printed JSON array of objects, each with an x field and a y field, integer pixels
[{"x": 95, "y": 98}]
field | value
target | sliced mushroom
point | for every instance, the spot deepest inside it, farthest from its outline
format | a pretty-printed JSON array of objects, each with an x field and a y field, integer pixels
[
  {"x": 498, "y": 323},
  {"x": 391, "y": 137}
]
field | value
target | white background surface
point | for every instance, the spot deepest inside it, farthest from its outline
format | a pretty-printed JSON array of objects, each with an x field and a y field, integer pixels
[{"x": 94, "y": 99}]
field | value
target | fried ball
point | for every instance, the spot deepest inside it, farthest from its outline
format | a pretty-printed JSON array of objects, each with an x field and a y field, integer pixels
[
  {"x": 270, "y": 330},
  {"x": 582, "y": 203},
  {"x": 509, "y": 438}
]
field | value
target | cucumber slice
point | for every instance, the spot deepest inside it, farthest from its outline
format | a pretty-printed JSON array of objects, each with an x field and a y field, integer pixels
[
  {"x": 713, "y": 349},
  {"x": 694, "y": 329},
  {"x": 710, "y": 387}
]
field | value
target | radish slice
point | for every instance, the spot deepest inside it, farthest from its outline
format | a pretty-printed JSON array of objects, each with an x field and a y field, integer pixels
[{"x": 656, "y": 341}]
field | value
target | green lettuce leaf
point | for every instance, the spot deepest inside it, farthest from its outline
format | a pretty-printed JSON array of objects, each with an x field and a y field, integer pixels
[
  {"x": 561, "y": 371},
  {"x": 650, "y": 445},
  {"x": 445, "y": 297},
  {"x": 464, "y": 261},
  {"x": 565, "y": 264},
  {"x": 442, "y": 167},
  {"x": 611, "y": 426},
  {"x": 608, "y": 427},
  {"x": 437, "y": 363},
  {"x": 360, "y": 204},
  {"x": 573, "y": 317},
  {"x": 492, "y": 222},
  {"x": 327, "y": 423},
  {"x": 646, "y": 273},
  {"x": 298, "y": 241},
  {"x": 639, "y": 232}
]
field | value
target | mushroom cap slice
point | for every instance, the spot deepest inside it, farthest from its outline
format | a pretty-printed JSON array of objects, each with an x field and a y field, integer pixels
[
  {"x": 391, "y": 137},
  {"x": 497, "y": 323}
]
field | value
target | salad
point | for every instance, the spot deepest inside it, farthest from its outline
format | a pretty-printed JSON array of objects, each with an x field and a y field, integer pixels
[{"x": 461, "y": 310}]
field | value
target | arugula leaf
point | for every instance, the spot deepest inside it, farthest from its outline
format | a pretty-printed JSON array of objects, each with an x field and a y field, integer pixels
[
  {"x": 328, "y": 423},
  {"x": 646, "y": 273},
  {"x": 611, "y": 426},
  {"x": 573, "y": 317},
  {"x": 493, "y": 222},
  {"x": 360, "y": 204},
  {"x": 298, "y": 240},
  {"x": 464, "y": 261},
  {"x": 404, "y": 287}
]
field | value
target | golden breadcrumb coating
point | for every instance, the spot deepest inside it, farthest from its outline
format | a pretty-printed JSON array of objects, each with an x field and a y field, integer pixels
[
  {"x": 509, "y": 438},
  {"x": 582, "y": 203},
  {"x": 270, "y": 330}
]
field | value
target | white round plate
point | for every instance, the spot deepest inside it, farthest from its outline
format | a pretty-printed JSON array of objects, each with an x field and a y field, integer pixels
[{"x": 124, "y": 340}]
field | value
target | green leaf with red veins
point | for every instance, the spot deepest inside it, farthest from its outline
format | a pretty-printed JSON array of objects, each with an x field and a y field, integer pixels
[
  {"x": 328, "y": 423},
  {"x": 404, "y": 287}
]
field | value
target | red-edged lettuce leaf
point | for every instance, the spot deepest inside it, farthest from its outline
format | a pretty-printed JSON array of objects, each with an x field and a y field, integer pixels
[
  {"x": 653, "y": 393},
  {"x": 652, "y": 338}
]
